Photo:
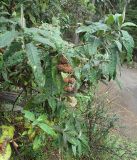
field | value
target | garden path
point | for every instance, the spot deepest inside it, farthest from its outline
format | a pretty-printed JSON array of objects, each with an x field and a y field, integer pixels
[{"x": 124, "y": 100}]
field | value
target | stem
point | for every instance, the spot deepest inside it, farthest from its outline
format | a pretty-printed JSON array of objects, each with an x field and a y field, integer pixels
[{"x": 17, "y": 99}]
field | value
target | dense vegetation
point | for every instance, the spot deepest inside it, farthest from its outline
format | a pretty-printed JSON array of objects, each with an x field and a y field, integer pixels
[{"x": 52, "y": 56}]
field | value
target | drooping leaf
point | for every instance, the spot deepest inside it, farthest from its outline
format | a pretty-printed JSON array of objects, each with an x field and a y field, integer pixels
[
  {"x": 83, "y": 29},
  {"x": 34, "y": 61},
  {"x": 128, "y": 24},
  {"x": 44, "y": 41},
  {"x": 40, "y": 119},
  {"x": 118, "y": 19},
  {"x": 5, "y": 20},
  {"x": 93, "y": 46},
  {"x": 52, "y": 103},
  {"x": 110, "y": 20},
  {"x": 72, "y": 140},
  {"x": 84, "y": 139},
  {"x": 46, "y": 128},
  {"x": 54, "y": 83},
  {"x": 74, "y": 149},
  {"x": 15, "y": 59},
  {"x": 51, "y": 89},
  {"x": 96, "y": 26},
  {"x": 29, "y": 115},
  {"x": 128, "y": 43},
  {"x": 13, "y": 49},
  {"x": 39, "y": 98},
  {"x": 37, "y": 143},
  {"x": 56, "y": 77},
  {"x": 119, "y": 45},
  {"x": 1, "y": 61},
  {"x": 79, "y": 149},
  {"x": 112, "y": 64},
  {"x": 7, "y": 37}
]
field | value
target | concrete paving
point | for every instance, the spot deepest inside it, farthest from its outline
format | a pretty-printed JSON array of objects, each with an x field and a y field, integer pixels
[{"x": 124, "y": 101}]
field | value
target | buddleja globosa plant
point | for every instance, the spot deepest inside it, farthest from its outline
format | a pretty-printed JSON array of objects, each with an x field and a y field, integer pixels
[{"x": 48, "y": 75}]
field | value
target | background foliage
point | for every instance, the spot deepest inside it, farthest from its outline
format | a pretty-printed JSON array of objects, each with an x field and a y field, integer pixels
[{"x": 52, "y": 55}]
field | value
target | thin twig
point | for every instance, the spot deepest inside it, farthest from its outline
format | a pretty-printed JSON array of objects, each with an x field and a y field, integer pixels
[{"x": 17, "y": 99}]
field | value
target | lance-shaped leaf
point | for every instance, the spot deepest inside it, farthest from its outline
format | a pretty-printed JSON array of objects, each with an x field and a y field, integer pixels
[
  {"x": 37, "y": 143},
  {"x": 34, "y": 61},
  {"x": 93, "y": 45},
  {"x": 112, "y": 64},
  {"x": 94, "y": 27},
  {"x": 5, "y": 20},
  {"x": 46, "y": 128},
  {"x": 128, "y": 43},
  {"x": 7, "y": 38},
  {"x": 128, "y": 24},
  {"x": 43, "y": 40}
]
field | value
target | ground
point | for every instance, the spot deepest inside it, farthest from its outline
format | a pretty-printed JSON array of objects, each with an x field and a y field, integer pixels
[{"x": 124, "y": 100}]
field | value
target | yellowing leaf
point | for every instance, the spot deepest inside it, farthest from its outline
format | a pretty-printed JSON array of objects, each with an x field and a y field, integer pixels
[
  {"x": 7, "y": 132},
  {"x": 6, "y": 136},
  {"x": 72, "y": 101},
  {"x": 6, "y": 154}
]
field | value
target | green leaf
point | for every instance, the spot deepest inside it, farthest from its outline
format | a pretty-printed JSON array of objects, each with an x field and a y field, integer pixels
[
  {"x": 128, "y": 24},
  {"x": 54, "y": 83},
  {"x": 73, "y": 140},
  {"x": 49, "y": 85},
  {"x": 110, "y": 20},
  {"x": 55, "y": 21},
  {"x": 44, "y": 41},
  {"x": 128, "y": 43},
  {"x": 83, "y": 29},
  {"x": 118, "y": 19},
  {"x": 39, "y": 98},
  {"x": 52, "y": 103},
  {"x": 15, "y": 59},
  {"x": 7, "y": 38},
  {"x": 74, "y": 150},
  {"x": 34, "y": 61},
  {"x": 93, "y": 46},
  {"x": 79, "y": 149},
  {"x": 1, "y": 61},
  {"x": 83, "y": 139},
  {"x": 40, "y": 119},
  {"x": 77, "y": 71},
  {"x": 119, "y": 45},
  {"x": 112, "y": 64},
  {"x": 96, "y": 26},
  {"x": 46, "y": 128},
  {"x": 29, "y": 115},
  {"x": 32, "y": 18},
  {"x": 56, "y": 77},
  {"x": 16, "y": 47},
  {"x": 37, "y": 143},
  {"x": 5, "y": 20}
]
